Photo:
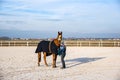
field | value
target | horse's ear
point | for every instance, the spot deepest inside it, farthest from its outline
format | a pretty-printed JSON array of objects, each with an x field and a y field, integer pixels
[{"x": 59, "y": 32}]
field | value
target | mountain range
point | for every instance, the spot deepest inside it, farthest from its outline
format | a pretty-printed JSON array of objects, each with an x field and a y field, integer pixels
[{"x": 53, "y": 34}]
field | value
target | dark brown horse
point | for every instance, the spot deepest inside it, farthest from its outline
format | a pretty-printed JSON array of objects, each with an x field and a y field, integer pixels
[{"x": 49, "y": 48}]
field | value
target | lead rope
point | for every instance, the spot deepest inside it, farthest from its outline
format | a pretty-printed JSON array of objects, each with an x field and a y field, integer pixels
[{"x": 50, "y": 46}]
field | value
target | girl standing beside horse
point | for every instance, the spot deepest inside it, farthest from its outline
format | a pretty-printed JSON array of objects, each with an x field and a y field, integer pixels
[{"x": 62, "y": 53}]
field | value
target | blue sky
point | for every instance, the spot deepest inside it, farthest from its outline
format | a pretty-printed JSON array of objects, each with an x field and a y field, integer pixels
[{"x": 85, "y": 16}]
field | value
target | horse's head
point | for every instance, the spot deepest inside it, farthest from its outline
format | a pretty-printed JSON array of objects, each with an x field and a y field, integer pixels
[
  {"x": 58, "y": 40},
  {"x": 59, "y": 37}
]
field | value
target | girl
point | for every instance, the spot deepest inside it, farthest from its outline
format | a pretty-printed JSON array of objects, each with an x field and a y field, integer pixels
[{"x": 62, "y": 52}]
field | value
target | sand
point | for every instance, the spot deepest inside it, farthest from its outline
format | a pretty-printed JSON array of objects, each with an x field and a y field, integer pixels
[{"x": 83, "y": 63}]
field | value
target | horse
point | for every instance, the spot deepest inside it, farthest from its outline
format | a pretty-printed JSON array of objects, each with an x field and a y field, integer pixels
[{"x": 49, "y": 48}]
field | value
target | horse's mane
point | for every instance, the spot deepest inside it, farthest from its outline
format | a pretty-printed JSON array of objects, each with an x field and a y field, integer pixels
[{"x": 57, "y": 42}]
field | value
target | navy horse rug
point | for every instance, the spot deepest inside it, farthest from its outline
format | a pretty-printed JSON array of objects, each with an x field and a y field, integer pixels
[{"x": 47, "y": 46}]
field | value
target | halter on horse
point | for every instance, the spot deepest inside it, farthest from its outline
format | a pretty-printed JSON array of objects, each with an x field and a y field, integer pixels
[{"x": 49, "y": 48}]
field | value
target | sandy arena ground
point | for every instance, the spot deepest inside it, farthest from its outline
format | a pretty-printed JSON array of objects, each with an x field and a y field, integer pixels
[{"x": 83, "y": 63}]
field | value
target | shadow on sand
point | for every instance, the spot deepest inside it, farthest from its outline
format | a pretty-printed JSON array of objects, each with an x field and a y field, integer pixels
[{"x": 78, "y": 61}]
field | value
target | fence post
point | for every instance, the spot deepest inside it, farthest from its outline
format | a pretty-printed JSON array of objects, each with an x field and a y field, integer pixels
[
  {"x": 9, "y": 43},
  {"x": 1, "y": 43},
  {"x": 27, "y": 43},
  {"x": 99, "y": 44},
  {"x": 14, "y": 43},
  {"x": 118, "y": 44},
  {"x": 114, "y": 43},
  {"x": 80, "y": 44},
  {"x": 77, "y": 43},
  {"x": 89, "y": 43}
]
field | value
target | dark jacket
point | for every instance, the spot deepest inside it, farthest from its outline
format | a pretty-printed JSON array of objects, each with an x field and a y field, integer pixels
[{"x": 62, "y": 49}]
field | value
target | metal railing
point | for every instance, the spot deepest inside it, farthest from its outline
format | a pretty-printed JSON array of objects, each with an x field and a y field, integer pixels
[{"x": 79, "y": 43}]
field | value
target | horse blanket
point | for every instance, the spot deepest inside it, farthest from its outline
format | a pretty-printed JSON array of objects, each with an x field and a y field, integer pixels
[{"x": 48, "y": 47}]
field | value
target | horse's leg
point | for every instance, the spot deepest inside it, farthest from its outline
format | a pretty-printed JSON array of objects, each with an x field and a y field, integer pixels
[
  {"x": 39, "y": 58},
  {"x": 54, "y": 58},
  {"x": 45, "y": 58}
]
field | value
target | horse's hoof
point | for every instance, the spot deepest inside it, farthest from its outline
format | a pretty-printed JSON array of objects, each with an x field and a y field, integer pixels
[
  {"x": 54, "y": 66},
  {"x": 47, "y": 65},
  {"x": 38, "y": 64}
]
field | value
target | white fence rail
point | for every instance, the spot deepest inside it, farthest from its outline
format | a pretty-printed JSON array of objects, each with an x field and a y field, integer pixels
[
  {"x": 79, "y": 43},
  {"x": 96, "y": 43}
]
